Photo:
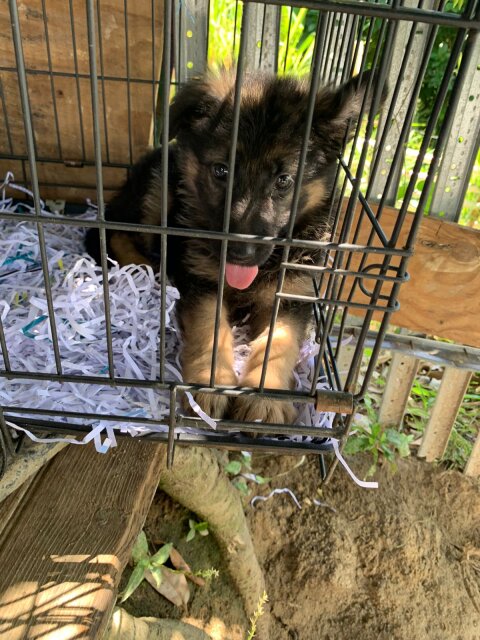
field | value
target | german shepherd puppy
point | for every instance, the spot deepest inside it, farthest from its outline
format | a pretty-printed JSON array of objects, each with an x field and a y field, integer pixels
[{"x": 272, "y": 120}]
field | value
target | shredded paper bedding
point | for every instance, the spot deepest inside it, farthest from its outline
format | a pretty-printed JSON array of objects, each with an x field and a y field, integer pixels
[{"x": 78, "y": 302}]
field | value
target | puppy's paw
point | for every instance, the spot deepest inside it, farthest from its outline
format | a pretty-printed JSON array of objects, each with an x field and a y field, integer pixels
[
  {"x": 251, "y": 409},
  {"x": 213, "y": 404}
]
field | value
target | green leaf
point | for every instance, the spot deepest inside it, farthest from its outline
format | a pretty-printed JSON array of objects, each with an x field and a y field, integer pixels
[
  {"x": 201, "y": 526},
  {"x": 156, "y": 573},
  {"x": 401, "y": 441},
  {"x": 191, "y": 534},
  {"x": 355, "y": 444},
  {"x": 140, "y": 548},
  {"x": 162, "y": 555},
  {"x": 234, "y": 467},
  {"x": 241, "y": 485},
  {"x": 135, "y": 580}
]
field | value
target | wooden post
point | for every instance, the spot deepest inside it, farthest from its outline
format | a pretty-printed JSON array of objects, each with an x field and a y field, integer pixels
[
  {"x": 401, "y": 375},
  {"x": 473, "y": 464},
  {"x": 450, "y": 395}
]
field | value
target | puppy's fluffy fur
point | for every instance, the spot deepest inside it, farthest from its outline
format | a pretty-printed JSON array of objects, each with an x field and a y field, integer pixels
[{"x": 272, "y": 118}]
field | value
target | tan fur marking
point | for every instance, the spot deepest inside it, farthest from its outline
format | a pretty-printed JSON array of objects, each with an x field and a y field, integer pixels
[
  {"x": 199, "y": 327},
  {"x": 125, "y": 251},
  {"x": 282, "y": 359},
  {"x": 283, "y": 356},
  {"x": 219, "y": 86},
  {"x": 295, "y": 283},
  {"x": 152, "y": 202},
  {"x": 315, "y": 194}
]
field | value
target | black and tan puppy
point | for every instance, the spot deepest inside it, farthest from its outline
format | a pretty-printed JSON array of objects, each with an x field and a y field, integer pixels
[{"x": 272, "y": 120}]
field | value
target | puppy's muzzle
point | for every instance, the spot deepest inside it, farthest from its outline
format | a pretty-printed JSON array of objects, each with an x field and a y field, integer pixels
[{"x": 243, "y": 253}]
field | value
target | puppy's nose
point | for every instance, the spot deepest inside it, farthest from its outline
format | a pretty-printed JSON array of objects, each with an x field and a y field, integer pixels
[{"x": 241, "y": 253}]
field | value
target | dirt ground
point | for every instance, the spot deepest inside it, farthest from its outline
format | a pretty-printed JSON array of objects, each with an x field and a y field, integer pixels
[{"x": 401, "y": 562}]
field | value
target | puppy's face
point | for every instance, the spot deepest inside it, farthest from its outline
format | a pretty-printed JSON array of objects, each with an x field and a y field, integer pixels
[{"x": 271, "y": 127}]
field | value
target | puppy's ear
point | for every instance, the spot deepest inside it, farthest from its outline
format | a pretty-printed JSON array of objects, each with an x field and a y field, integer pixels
[
  {"x": 193, "y": 103},
  {"x": 337, "y": 110}
]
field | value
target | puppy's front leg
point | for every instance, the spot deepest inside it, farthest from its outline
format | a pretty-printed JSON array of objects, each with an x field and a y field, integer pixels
[
  {"x": 286, "y": 341},
  {"x": 125, "y": 250},
  {"x": 198, "y": 326}
]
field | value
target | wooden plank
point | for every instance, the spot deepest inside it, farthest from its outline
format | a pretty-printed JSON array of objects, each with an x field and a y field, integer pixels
[
  {"x": 14, "y": 116},
  {"x": 57, "y": 181},
  {"x": 441, "y": 297},
  {"x": 401, "y": 374},
  {"x": 13, "y": 501},
  {"x": 449, "y": 399},
  {"x": 62, "y": 32},
  {"x": 473, "y": 465},
  {"x": 82, "y": 177},
  {"x": 70, "y": 118},
  {"x": 16, "y": 167},
  {"x": 344, "y": 361},
  {"x": 129, "y": 50},
  {"x": 25, "y": 464},
  {"x": 70, "y": 538},
  {"x": 407, "y": 82},
  {"x": 442, "y": 353}
]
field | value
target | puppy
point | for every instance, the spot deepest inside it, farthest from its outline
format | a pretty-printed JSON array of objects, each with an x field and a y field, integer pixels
[{"x": 272, "y": 120}]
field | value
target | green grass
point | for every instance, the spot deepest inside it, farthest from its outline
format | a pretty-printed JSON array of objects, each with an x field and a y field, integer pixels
[
  {"x": 296, "y": 40},
  {"x": 368, "y": 435},
  {"x": 467, "y": 423},
  {"x": 383, "y": 444}
]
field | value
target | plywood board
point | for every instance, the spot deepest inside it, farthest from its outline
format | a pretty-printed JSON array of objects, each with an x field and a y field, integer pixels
[
  {"x": 57, "y": 181},
  {"x": 55, "y": 48},
  {"x": 69, "y": 539},
  {"x": 442, "y": 297}
]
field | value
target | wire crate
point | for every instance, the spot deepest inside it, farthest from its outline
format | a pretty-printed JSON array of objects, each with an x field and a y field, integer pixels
[{"x": 85, "y": 91}]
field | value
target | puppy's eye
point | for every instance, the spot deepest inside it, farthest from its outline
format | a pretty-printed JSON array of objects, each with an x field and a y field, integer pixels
[
  {"x": 220, "y": 171},
  {"x": 284, "y": 182}
]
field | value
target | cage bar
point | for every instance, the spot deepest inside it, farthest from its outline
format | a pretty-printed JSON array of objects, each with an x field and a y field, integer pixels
[
  {"x": 166, "y": 64},
  {"x": 241, "y": 66},
  {"x": 98, "y": 168},
  {"x": 315, "y": 82},
  {"x": 30, "y": 141}
]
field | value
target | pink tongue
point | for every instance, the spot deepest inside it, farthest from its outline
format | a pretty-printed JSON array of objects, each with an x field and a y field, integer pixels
[{"x": 240, "y": 277}]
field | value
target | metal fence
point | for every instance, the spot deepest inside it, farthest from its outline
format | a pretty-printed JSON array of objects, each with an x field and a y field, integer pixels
[{"x": 365, "y": 256}]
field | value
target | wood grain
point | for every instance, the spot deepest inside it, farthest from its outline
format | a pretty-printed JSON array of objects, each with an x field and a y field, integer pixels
[
  {"x": 453, "y": 387},
  {"x": 69, "y": 539},
  {"x": 129, "y": 53},
  {"x": 57, "y": 181},
  {"x": 473, "y": 464},
  {"x": 401, "y": 374}
]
